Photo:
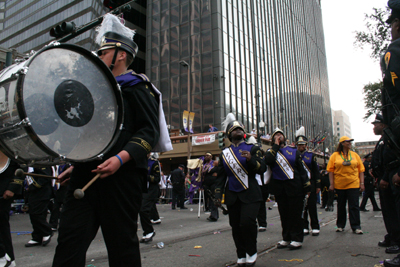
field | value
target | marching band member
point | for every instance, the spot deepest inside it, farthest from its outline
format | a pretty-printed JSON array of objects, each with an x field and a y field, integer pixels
[
  {"x": 10, "y": 185},
  {"x": 289, "y": 184},
  {"x": 312, "y": 169},
  {"x": 114, "y": 201},
  {"x": 239, "y": 164}
]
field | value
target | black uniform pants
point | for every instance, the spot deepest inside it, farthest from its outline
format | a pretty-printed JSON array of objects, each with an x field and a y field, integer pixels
[
  {"x": 369, "y": 193},
  {"x": 262, "y": 212},
  {"x": 38, "y": 215},
  {"x": 290, "y": 210},
  {"x": 213, "y": 209},
  {"x": 5, "y": 234},
  {"x": 147, "y": 204},
  {"x": 112, "y": 203},
  {"x": 58, "y": 202},
  {"x": 154, "y": 212},
  {"x": 390, "y": 217},
  {"x": 178, "y": 195},
  {"x": 352, "y": 197},
  {"x": 242, "y": 219},
  {"x": 311, "y": 209}
]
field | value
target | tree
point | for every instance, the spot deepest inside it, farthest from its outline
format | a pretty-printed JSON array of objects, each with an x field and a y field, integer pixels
[
  {"x": 378, "y": 38},
  {"x": 377, "y": 35}
]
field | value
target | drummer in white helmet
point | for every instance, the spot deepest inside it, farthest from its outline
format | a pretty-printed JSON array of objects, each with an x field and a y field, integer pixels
[{"x": 114, "y": 202}]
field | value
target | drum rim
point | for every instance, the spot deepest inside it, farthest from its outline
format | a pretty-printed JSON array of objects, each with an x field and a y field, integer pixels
[{"x": 115, "y": 87}]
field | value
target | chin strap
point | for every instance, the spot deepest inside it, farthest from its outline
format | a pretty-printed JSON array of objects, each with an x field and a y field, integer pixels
[{"x": 114, "y": 58}]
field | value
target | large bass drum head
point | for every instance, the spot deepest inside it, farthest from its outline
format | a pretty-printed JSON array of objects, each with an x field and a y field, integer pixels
[{"x": 72, "y": 102}]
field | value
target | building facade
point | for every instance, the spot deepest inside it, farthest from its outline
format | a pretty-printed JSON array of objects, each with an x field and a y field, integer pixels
[
  {"x": 364, "y": 148},
  {"x": 240, "y": 55},
  {"x": 25, "y": 25},
  {"x": 341, "y": 124}
]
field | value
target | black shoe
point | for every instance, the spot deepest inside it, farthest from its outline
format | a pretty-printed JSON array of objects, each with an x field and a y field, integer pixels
[
  {"x": 329, "y": 208},
  {"x": 384, "y": 244},
  {"x": 148, "y": 238},
  {"x": 46, "y": 242},
  {"x": 33, "y": 243},
  {"x": 392, "y": 263},
  {"x": 378, "y": 209},
  {"x": 173, "y": 208},
  {"x": 365, "y": 210},
  {"x": 183, "y": 208},
  {"x": 322, "y": 207},
  {"x": 392, "y": 249},
  {"x": 212, "y": 219}
]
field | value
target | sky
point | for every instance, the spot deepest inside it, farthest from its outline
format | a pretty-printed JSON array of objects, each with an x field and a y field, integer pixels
[{"x": 349, "y": 67}]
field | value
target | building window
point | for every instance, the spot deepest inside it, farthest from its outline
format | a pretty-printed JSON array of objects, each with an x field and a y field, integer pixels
[
  {"x": 337, "y": 123},
  {"x": 338, "y": 134},
  {"x": 338, "y": 128}
]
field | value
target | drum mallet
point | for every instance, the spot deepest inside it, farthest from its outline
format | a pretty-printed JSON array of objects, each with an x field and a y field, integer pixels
[
  {"x": 80, "y": 193},
  {"x": 20, "y": 173}
]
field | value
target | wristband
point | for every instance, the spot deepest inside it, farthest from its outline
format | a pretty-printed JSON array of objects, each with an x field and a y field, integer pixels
[{"x": 120, "y": 160}]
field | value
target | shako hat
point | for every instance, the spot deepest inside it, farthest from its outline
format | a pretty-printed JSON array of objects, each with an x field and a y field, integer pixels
[
  {"x": 230, "y": 124},
  {"x": 301, "y": 138},
  {"x": 277, "y": 130},
  {"x": 113, "y": 34}
]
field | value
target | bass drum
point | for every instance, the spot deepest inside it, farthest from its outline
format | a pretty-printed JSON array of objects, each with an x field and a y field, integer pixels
[{"x": 62, "y": 104}]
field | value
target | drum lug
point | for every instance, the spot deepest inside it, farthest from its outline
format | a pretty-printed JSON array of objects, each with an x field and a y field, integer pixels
[
  {"x": 95, "y": 53},
  {"x": 24, "y": 122},
  {"x": 23, "y": 70},
  {"x": 100, "y": 156}
]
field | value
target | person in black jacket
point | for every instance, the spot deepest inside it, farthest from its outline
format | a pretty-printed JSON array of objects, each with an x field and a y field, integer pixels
[
  {"x": 59, "y": 197},
  {"x": 209, "y": 183},
  {"x": 10, "y": 185},
  {"x": 289, "y": 184},
  {"x": 150, "y": 198},
  {"x": 312, "y": 169},
  {"x": 369, "y": 183},
  {"x": 39, "y": 194},
  {"x": 178, "y": 187},
  {"x": 239, "y": 164},
  {"x": 113, "y": 201}
]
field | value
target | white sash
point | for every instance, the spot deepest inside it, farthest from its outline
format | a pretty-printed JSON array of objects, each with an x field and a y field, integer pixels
[
  {"x": 284, "y": 165},
  {"x": 307, "y": 170},
  {"x": 236, "y": 168}
]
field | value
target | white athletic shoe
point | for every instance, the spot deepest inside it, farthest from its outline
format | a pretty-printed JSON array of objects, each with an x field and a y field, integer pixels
[
  {"x": 251, "y": 260},
  {"x": 306, "y": 231},
  {"x": 156, "y": 221},
  {"x": 295, "y": 245}
]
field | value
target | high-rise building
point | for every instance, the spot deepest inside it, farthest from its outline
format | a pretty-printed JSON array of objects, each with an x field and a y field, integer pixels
[
  {"x": 254, "y": 58},
  {"x": 341, "y": 124},
  {"x": 240, "y": 52},
  {"x": 25, "y": 25}
]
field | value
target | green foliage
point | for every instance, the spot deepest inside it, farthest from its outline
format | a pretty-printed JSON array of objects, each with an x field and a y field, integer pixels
[
  {"x": 372, "y": 98},
  {"x": 377, "y": 36}
]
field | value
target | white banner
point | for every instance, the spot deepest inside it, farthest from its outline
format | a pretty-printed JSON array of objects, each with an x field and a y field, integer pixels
[{"x": 199, "y": 140}]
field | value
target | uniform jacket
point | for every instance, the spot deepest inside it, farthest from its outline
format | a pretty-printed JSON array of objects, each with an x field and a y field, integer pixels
[
  {"x": 153, "y": 178},
  {"x": 298, "y": 186},
  {"x": 178, "y": 179},
  {"x": 8, "y": 181},
  {"x": 313, "y": 167},
  {"x": 254, "y": 166}
]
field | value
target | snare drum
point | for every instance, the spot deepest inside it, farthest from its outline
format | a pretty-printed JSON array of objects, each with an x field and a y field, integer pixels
[{"x": 62, "y": 104}]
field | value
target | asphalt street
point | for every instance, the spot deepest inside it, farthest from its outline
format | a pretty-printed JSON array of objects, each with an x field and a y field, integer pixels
[{"x": 192, "y": 241}]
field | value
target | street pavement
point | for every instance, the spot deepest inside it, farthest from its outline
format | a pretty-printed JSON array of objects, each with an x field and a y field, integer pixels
[{"x": 192, "y": 241}]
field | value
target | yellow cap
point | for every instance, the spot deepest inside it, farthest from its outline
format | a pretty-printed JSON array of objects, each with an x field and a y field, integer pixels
[{"x": 345, "y": 138}]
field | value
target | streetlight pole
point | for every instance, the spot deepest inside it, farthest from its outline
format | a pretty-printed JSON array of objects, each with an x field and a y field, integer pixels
[{"x": 185, "y": 64}]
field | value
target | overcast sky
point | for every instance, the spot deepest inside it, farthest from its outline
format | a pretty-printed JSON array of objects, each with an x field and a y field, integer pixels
[{"x": 349, "y": 68}]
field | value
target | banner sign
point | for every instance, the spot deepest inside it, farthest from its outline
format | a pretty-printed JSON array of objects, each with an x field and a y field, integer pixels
[
  {"x": 203, "y": 139},
  {"x": 185, "y": 120},
  {"x": 191, "y": 118}
]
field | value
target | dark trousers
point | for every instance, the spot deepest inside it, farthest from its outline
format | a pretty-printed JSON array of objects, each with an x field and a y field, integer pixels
[
  {"x": 262, "y": 212},
  {"x": 242, "y": 219},
  {"x": 154, "y": 212},
  {"x": 178, "y": 195},
  {"x": 369, "y": 193},
  {"x": 38, "y": 215},
  {"x": 147, "y": 204},
  {"x": 58, "y": 202},
  {"x": 390, "y": 217},
  {"x": 352, "y": 197},
  {"x": 5, "y": 234},
  {"x": 213, "y": 209},
  {"x": 290, "y": 210},
  {"x": 112, "y": 203},
  {"x": 327, "y": 196},
  {"x": 311, "y": 209}
]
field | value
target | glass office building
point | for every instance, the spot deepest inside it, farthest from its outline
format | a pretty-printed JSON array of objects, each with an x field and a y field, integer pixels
[
  {"x": 25, "y": 25},
  {"x": 234, "y": 49}
]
